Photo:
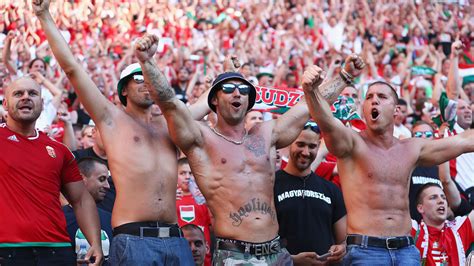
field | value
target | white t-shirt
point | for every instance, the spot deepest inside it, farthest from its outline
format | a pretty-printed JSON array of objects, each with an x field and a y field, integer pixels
[
  {"x": 401, "y": 132},
  {"x": 335, "y": 35}
]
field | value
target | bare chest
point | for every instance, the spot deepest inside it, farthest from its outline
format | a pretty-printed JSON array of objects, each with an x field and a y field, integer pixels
[
  {"x": 252, "y": 157},
  {"x": 390, "y": 166}
]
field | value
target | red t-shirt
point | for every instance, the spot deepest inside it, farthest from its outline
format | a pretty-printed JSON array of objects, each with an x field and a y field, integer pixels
[
  {"x": 32, "y": 172},
  {"x": 442, "y": 246},
  {"x": 189, "y": 212}
]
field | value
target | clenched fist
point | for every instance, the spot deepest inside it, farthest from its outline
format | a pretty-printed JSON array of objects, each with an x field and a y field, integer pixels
[
  {"x": 146, "y": 46},
  {"x": 40, "y": 6},
  {"x": 354, "y": 65},
  {"x": 456, "y": 48},
  {"x": 312, "y": 78}
]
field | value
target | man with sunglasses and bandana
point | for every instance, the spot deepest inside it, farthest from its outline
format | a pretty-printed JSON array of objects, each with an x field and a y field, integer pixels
[
  {"x": 142, "y": 160},
  {"x": 310, "y": 209},
  {"x": 379, "y": 166},
  {"x": 234, "y": 168}
]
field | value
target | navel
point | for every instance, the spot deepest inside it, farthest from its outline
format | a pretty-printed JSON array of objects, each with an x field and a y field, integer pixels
[
  {"x": 223, "y": 161},
  {"x": 136, "y": 139}
]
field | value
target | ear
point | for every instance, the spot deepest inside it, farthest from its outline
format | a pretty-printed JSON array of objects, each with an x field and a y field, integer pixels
[
  {"x": 397, "y": 109},
  {"x": 419, "y": 208},
  {"x": 214, "y": 101},
  {"x": 5, "y": 104},
  {"x": 124, "y": 91},
  {"x": 208, "y": 249}
]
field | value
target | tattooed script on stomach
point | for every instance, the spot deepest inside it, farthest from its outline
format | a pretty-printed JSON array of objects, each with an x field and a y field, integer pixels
[{"x": 254, "y": 205}]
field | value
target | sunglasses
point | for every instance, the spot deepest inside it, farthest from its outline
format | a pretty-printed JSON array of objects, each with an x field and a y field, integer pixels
[
  {"x": 313, "y": 126},
  {"x": 138, "y": 79},
  {"x": 420, "y": 134},
  {"x": 244, "y": 89}
]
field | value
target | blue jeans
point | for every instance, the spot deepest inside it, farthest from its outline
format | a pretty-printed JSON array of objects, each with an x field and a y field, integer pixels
[
  {"x": 39, "y": 256},
  {"x": 135, "y": 250},
  {"x": 361, "y": 255}
]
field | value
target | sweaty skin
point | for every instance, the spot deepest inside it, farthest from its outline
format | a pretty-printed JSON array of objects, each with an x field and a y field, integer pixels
[
  {"x": 141, "y": 155},
  {"x": 374, "y": 166},
  {"x": 236, "y": 179},
  {"x": 239, "y": 184}
]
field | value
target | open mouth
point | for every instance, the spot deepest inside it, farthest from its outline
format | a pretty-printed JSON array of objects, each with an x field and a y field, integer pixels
[
  {"x": 25, "y": 108},
  {"x": 236, "y": 104},
  {"x": 441, "y": 210},
  {"x": 375, "y": 114}
]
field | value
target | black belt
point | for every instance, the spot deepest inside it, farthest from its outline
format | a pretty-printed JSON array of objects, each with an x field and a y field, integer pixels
[
  {"x": 148, "y": 229},
  {"x": 380, "y": 242},
  {"x": 257, "y": 249}
]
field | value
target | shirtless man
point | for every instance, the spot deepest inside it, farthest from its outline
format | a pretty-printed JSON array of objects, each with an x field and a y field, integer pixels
[
  {"x": 142, "y": 160},
  {"x": 234, "y": 169},
  {"x": 375, "y": 168}
]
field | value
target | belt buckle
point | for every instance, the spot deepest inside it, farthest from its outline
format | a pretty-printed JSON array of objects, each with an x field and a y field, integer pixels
[
  {"x": 387, "y": 242},
  {"x": 160, "y": 231}
]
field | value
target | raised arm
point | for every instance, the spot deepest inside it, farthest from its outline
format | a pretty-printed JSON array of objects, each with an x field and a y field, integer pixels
[
  {"x": 450, "y": 189},
  {"x": 95, "y": 103},
  {"x": 339, "y": 139},
  {"x": 441, "y": 150},
  {"x": 183, "y": 129},
  {"x": 452, "y": 86},
  {"x": 7, "y": 53}
]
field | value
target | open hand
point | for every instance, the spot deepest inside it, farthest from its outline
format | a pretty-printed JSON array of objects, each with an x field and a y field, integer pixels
[{"x": 145, "y": 48}]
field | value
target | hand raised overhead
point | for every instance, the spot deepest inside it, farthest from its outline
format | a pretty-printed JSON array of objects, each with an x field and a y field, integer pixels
[
  {"x": 145, "y": 48},
  {"x": 40, "y": 6},
  {"x": 312, "y": 78}
]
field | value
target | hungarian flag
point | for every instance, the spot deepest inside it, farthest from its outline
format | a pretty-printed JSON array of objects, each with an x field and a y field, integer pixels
[
  {"x": 466, "y": 71},
  {"x": 187, "y": 213},
  {"x": 448, "y": 111}
]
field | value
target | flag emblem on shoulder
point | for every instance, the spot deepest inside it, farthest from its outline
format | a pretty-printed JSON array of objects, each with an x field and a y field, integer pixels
[
  {"x": 186, "y": 213},
  {"x": 51, "y": 151},
  {"x": 13, "y": 138}
]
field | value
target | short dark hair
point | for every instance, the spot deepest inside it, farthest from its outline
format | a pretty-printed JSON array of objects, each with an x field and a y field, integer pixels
[
  {"x": 182, "y": 161},
  {"x": 420, "y": 191},
  {"x": 402, "y": 102},
  {"x": 190, "y": 227},
  {"x": 87, "y": 164},
  {"x": 382, "y": 82}
]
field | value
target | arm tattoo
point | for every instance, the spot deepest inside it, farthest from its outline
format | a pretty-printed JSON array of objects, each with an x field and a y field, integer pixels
[
  {"x": 157, "y": 82},
  {"x": 254, "y": 205},
  {"x": 331, "y": 89}
]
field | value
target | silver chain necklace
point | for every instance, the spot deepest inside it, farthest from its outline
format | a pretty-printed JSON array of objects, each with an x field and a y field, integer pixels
[{"x": 231, "y": 140}]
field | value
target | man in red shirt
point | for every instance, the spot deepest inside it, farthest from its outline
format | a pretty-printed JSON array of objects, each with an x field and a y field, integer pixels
[
  {"x": 34, "y": 169},
  {"x": 188, "y": 210},
  {"x": 441, "y": 242}
]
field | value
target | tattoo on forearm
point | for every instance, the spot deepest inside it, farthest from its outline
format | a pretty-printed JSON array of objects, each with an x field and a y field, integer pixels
[
  {"x": 254, "y": 205},
  {"x": 158, "y": 82},
  {"x": 256, "y": 144},
  {"x": 330, "y": 90}
]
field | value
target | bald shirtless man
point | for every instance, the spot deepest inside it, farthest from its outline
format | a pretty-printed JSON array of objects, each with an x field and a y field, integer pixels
[
  {"x": 142, "y": 160},
  {"x": 234, "y": 168},
  {"x": 375, "y": 168}
]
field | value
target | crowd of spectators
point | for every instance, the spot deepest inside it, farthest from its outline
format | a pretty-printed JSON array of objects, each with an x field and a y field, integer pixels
[{"x": 407, "y": 43}]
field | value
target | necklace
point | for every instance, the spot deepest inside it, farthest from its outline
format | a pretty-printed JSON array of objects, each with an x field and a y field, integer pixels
[{"x": 230, "y": 140}]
